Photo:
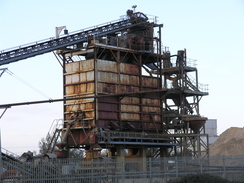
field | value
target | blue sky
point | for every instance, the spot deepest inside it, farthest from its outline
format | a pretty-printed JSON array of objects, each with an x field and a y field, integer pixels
[{"x": 211, "y": 31}]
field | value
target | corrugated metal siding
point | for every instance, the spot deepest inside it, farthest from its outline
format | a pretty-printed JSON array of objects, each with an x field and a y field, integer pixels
[
  {"x": 108, "y": 66},
  {"x": 129, "y": 80},
  {"x": 129, "y": 69},
  {"x": 107, "y": 77},
  {"x": 111, "y": 78}
]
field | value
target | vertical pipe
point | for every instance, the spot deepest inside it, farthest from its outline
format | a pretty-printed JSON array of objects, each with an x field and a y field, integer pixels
[
  {"x": 160, "y": 54},
  {"x": 64, "y": 83}
]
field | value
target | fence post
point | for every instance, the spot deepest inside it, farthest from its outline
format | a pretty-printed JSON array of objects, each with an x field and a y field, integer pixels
[
  {"x": 150, "y": 169},
  {"x": 176, "y": 166},
  {"x": 224, "y": 175},
  {"x": 200, "y": 165}
]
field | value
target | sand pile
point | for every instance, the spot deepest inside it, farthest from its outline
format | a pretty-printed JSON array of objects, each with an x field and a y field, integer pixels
[{"x": 229, "y": 143}]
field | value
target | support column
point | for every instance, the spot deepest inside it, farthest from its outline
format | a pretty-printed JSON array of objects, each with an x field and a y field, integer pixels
[
  {"x": 121, "y": 161},
  {"x": 143, "y": 155},
  {"x": 163, "y": 157}
]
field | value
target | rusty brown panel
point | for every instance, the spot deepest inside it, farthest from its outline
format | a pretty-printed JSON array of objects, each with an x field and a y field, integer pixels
[
  {"x": 90, "y": 87},
  {"x": 89, "y": 114},
  {"x": 129, "y": 80},
  {"x": 130, "y": 100},
  {"x": 151, "y": 126},
  {"x": 107, "y": 88},
  {"x": 79, "y": 89},
  {"x": 129, "y": 89},
  {"x": 92, "y": 123},
  {"x": 147, "y": 109},
  {"x": 110, "y": 99},
  {"x": 87, "y": 65},
  {"x": 129, "y": 69},
  {"x": 151, "y": 102},
  {"x": 107, "y": 77},
  {"x": 108, "y": 66},
  {"x": 81, "y": 137},
  {"x": 89, "y": 105},
  {"x": 130, "y": 108},
  {"x": 103, "y": 123},
  {"x": 89, "y": 76},
  {"x": 70, "y": 108},
  {"x": 152, "y": 95},
  {"x": 150, "y": 81},
  {"x": 108, "y": 106},
  {"x": 69, "y": 90},
  {"x": 73, "y": 67},
  {"x": 108, "y": 115},
  {"x": 130, "y": 116}
]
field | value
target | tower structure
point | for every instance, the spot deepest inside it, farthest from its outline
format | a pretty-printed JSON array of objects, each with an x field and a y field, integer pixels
[{"x": 123, "y": 91}]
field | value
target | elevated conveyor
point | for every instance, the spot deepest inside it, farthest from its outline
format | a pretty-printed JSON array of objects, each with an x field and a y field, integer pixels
[{"x": 44, "y": 46}]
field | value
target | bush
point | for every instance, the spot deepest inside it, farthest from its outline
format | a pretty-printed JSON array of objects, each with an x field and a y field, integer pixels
[{"x": 200, "y": 178}]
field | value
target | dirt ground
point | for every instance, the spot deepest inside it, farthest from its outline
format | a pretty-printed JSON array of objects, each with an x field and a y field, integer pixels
[{"x": 229, "y": 143}]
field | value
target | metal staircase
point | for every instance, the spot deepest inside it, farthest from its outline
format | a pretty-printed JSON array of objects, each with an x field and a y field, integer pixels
[
  {"x": 48, "y": 45},
  {"x": 53, "y": 135}
]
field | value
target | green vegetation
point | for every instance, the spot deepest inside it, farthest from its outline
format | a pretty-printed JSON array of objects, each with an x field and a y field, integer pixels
[{"x": 201, "y": 178}]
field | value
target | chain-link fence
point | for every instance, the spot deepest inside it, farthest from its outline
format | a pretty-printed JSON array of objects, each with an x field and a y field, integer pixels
[{"x": 120, "y": 170}]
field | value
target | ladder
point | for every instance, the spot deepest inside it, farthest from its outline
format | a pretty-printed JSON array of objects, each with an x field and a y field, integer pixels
[{"x": 44, "y": 46}]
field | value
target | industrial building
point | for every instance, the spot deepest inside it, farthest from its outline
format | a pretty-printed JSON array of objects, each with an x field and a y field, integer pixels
[{"x": 124, "y": 91}]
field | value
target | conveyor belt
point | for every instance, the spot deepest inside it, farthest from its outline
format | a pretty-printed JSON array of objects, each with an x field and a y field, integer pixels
[{"x": 48, "y": 45}]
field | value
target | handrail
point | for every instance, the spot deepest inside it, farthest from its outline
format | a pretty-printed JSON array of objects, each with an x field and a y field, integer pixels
[
  {"x": 63, "y": 35},
  {"x": 43, "y": 46}
]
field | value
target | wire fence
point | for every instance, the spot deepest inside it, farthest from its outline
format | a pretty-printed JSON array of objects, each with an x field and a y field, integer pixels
[{"x": 120, "y": 170}]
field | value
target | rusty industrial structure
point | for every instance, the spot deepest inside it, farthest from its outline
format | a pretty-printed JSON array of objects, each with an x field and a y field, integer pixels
[
  {"x": 124, "y": 90},
  {"x": 142, "y": 98}
]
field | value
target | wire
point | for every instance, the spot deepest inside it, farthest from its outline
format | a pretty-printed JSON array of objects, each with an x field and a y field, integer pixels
[{"x": 27, "y": 84}]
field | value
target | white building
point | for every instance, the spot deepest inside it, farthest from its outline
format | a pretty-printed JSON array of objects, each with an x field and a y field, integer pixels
[{"x": 211, "y": 130}]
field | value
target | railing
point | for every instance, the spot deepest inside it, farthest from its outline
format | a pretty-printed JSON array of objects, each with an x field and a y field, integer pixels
[
  {"x": 9, "y": 153},
  {"x": 32, "y": 49},
  {"x": 137, "y": 170},
  {"x": 189, "y": 62},
  {"x": 52, "y": 134},
  {"x": 201, "y": 87}
]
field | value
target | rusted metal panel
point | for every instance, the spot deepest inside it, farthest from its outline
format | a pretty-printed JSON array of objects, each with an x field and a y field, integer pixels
[
  {"x": 150, "y": 81},
  {"x": 108, "y": 110},
  {"x": 129, "y": 80},
  {"x": 151, "y": 102},
  {"x": 83, "y": 100},
  {"x": 149, "y": 117},
  {"x": 81, "y": 137},
  {"x": 108, "y": 66},
  {"x": 129, "y": 69},
  {"x": 130, "y": 116},
  {"x": 129, "y": 89},
  {"x": 73, "y": 67},
  {"x": 108, "y": 107},
  {"x": 147, "y": 109},
  {"x": 130, "y": 108},
  {"x": 79, "y": 89},
  {"x": 107, "y": 88},
  {"x": 79, "y": 106},
  {"x": 108, "y": 115},
  {"x": 79, "y": 77},
  {"x": 107, "y": 77},
  {"x": 89, "y": 76},
  {"x": 130, "y": 100},
  {"x": 104, "y": 123},
  {"x": 86, "y": 65}
]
